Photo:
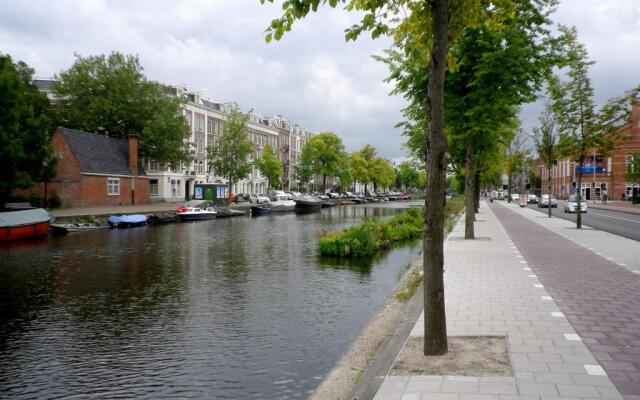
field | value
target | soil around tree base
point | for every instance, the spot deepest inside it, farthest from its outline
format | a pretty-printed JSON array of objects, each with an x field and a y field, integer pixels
[{"x": 467, "y": 356}]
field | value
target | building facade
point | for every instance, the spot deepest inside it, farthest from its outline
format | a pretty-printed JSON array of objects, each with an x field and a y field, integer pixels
[
  {"x": 206, "y": 119},
  {"x": 600, "y": 172}
]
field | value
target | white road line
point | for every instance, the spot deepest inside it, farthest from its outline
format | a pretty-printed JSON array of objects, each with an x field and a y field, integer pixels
[{"x": 622, "y": 219}]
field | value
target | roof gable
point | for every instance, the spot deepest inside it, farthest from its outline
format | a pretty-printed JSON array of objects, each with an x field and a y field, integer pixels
[{"x": 99, "y": 154}]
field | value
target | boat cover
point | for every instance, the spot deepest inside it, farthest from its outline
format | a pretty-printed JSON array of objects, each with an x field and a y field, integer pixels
[
  {"x": 132, "y": 219},
  {"x": 26, "y": 217}
]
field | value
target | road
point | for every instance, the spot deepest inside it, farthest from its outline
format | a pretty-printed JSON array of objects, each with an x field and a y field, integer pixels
[{"x": 619, "y": 223}]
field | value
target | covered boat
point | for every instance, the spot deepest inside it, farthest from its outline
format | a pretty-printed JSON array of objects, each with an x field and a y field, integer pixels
[
  {"x": 282, "y": 203},
  {"x": 25, "y": 224},
  {"x": 307, "y": 203},
  {"x": 262, "y": 209},
  {"x": 127, "y": 221}
]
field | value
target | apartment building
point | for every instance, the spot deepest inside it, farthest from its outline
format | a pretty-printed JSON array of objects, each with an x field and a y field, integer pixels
[
  {"x": 206, "y": 119},
  {"x": 600, "y": 171}
]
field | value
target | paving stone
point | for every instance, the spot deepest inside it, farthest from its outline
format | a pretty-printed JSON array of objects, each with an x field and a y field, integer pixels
[
  {"x": 538, "y": 389},
  {"x": 552, "y": 377},
  {"x": 423, "y": 384},
  {"x": 577, "y": 391}
]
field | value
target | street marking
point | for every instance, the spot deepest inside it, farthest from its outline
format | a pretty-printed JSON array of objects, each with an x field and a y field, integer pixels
[
  {"x": 538, "y": 285},
  {"x": 622, "y": 219},
  {"x": 546, "y": 298},
  {"x": 595, "y": 370},
  {"x": 532, "y": 276},
  {"x": 610, "y": 258},
  {"x": 557, "y": 314},
  {"x": 599, "y": 253},
  {"x": 636, "y": 271},
  {"x": 622, "y": 265},
  {"x": 519, "y": 255},
  {"x": 527, "y": 269},
  {"x": 523, "y": 262},
  {"x": 572, "y": 337}
]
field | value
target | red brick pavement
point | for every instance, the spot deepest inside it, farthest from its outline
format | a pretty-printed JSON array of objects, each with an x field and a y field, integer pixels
[{"x": 600, "y": 299}]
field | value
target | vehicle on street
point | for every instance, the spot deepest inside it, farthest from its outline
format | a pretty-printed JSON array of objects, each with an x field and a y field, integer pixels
[
  {"x": 533, "y": 199},
  {"x": 242, "y": 197},
  {"x": 571, "y": 205},
  {"x": 258, "y": 198},
  {"x": 515, "y": 197},
  {"x": 547, "y": 201},
  {"x": 333, "y": 195}
]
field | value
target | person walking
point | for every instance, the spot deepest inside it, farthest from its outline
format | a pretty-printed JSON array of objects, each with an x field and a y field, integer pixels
[{"x": 604, "y": 197}]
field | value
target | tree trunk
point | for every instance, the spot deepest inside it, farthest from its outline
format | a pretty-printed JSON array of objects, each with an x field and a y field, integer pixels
[
  {"x": 549, "y": 188},
  {"x": 476, "y": 186},
  {"x": 579, "y": 193},
  {"x": 435, "y": 324},
  {"x": 469, "y": 192},
  {"x": 324, "y": 183},
  {"x": 509, "y": 181}
]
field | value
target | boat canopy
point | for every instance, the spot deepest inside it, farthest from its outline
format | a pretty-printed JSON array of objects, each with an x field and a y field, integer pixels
[{"x": 26, "y": 217}]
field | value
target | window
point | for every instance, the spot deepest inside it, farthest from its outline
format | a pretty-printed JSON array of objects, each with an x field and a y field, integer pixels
[
  {"x": 153, "y": 187},
  {"x": 113, "y": 186},
  {"x": 211, "y": 126},
  {"x": 628, "y": 163},
  {"x": 200, "y": 168},
  {"x": 154, "y": 165},
  {"x": 199, "y": 123},
  {"x": 188, "y": 117},
  {"x": 200, "y": 146}
]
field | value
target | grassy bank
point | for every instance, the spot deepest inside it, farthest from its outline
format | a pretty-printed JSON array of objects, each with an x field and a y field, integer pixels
[{"x": 373, "y": 235}]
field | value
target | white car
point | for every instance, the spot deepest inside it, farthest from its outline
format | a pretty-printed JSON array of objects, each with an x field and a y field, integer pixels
[
  {"x": 515, "y": 197},
  {"x": 545, "y": 201},
  {"x": 571, "y": 205},
  {"x": 258, "y": 198}
]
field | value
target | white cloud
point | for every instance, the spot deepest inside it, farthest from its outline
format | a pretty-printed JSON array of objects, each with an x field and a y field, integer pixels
[{"x": 312, "y": 76}]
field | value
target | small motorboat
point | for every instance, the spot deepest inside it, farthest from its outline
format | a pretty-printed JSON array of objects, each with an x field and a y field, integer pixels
[
  {"x": 283, "y": 206},
  {"x": 163, "y": 218},
  {"x": 196, "y": 213},
  {"x": 327, "y": 204},
  {"x": 265, "y": 208},
  {"x": 127, "y": 221},
  {"x": 26, "y": 224},
  {"x": 307, "y": 203},
  {"x": 63, "y": 229}
]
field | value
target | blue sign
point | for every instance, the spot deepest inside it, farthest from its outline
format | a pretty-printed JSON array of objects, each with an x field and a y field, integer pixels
[{"x": 589, "y": 169}]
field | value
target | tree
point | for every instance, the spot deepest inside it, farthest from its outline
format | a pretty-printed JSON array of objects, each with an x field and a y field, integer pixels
[
  {"x": 407, "y": 176},
  {"x": 423, "y": 31},
  {"x": 25, "y": 130},
  {"x": 304, "y": 169},
  {"x": 382, "y": 173},
  {"x": 229, "y": 156},
  {"x": 582, "y": 128},
  {"x": 269, "y": 166},
  {"x": 368, "y": 153},
  {"x": 546, "y": 138},
  {"x": 359, "y": 168},
  {"x": 327, "y": 153},
  {"x": 110, "y": 95}
]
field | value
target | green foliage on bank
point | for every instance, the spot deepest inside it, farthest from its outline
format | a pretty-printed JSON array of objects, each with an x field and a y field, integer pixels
[{"x": 373, "y": 235}]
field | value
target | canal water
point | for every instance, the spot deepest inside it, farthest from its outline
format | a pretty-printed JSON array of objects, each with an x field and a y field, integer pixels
[{"x": 235, "y": 308}]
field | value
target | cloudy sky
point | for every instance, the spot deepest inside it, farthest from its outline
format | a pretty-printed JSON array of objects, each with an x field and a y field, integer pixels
[{"x": 312, "y": 77}]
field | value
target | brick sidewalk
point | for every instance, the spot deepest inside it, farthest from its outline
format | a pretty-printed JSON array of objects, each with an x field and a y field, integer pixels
[
  {"x": 490, "y": 290},
  {"x": 599, "y": 297}
]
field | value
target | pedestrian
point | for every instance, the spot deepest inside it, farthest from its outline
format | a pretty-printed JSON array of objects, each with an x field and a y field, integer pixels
[{"x": 604, "y": 197}]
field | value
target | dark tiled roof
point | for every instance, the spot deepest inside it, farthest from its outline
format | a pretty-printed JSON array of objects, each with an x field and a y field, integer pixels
[{"x": 99, "y": 154}]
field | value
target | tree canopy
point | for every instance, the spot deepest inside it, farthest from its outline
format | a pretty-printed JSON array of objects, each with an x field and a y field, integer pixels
[
  {"x": 304, "y": 169},
  {"x": 269, "y": 166},
  {"x": 110, "y": 95},
  {"x": 26, "y": 126},
  {"x": 327, "y": 153}
]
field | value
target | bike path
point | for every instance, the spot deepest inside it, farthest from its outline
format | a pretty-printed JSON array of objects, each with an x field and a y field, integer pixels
[{"x": 599, "y": 297}]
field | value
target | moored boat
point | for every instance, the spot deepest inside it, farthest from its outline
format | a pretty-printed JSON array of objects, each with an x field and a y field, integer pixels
[
  {"x": 63, "y": 229},
  {"x": 283, "y": 206},
  {"x": 127, "y": 221},
  {"x": 196, "y": 213},
  {"x": 16, "y": 225},
  {"x": 229, "y": 212},
  {"x": 307, "y": 203},
  {"x": 262, "y": 209}
]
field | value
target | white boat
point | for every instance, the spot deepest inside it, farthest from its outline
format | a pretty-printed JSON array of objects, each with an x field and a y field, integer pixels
[
  {"x": 282, "y": 203},
  {"x": 196, "y": 213},
  {"x": 196, "y": 210}
]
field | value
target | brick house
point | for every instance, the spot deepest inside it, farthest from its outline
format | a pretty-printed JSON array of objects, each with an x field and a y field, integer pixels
[
  {"x": 97, "y": 170},
  {"x": 600, "y": 171}
]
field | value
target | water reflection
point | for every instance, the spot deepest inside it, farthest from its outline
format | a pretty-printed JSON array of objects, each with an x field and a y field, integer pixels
[{"x": 231, "y": 308}]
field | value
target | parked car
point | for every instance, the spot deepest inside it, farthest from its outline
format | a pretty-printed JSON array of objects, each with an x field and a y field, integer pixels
[
  {"x": 533, "y": 199},
  {"x": 333, "y": 195},
  {"x": 547, "y": 201},
  {"x": 242, "y": 197},
  {"x": 258, "y": 198},
  {"x": 571, "y": 205},
  {"x": 515, "y": 197}
]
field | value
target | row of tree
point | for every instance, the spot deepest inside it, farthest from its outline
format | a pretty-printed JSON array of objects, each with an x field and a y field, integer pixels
[{"x": 464, "y": 67}]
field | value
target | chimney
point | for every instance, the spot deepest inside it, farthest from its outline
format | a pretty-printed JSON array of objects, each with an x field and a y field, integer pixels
[{"x": 133, "y": 154}]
